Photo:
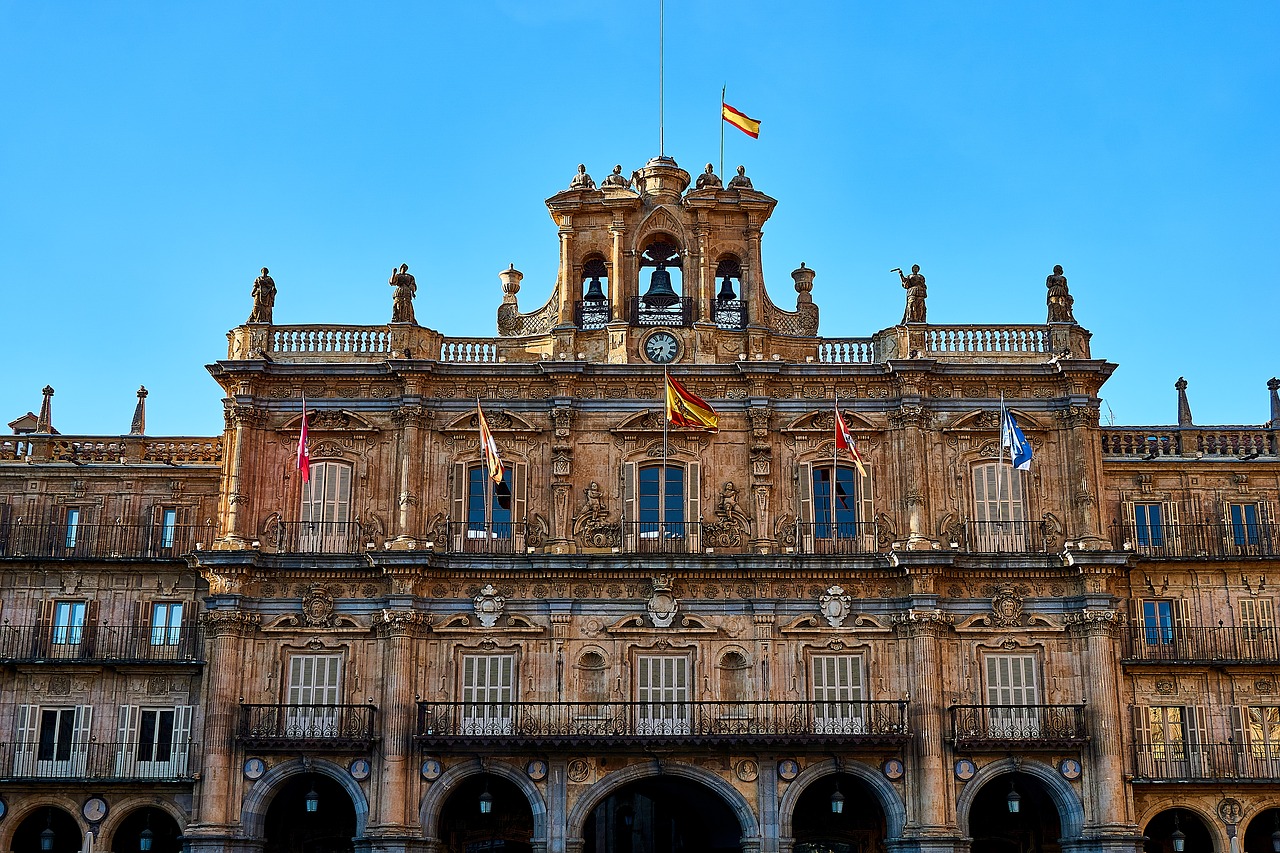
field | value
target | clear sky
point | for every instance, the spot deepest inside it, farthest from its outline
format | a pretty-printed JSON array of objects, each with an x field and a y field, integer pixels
[{"x": 153, "y": 156}]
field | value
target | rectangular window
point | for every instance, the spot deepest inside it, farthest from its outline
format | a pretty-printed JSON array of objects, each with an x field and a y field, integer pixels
[
  {"x": 73, "y": 526},
  {"x": 837, "y": 694},
  {"x": 68, "y": 622},
  {"x": 56, "y": 738},
  {"x": 497, "y": 523},
  {"x": 1157, "y": 621},
  {"x": 1148, "y": 522},
  {"x": 326, "y": 509},
  {"x": 652, "y": 490},
  {"x": 488, "y": 691},
  {"x": 1167, "y": 732},
  {"x": 153, "y": 742},
  {"x": 1000, "y": 509},
  {"x": 168, "y": 526},
  {"x": 57, "y": 727},
  {"x": 1257, "y": 629},
  {"x": 155, "y": 735},
  {"x": 842, "y": 520},
  {"x": 315, "y": 682},
  {"x": 166, "y": 623},
  {"x": 1263, "y": 731},
  {"x": 1244, "y": 523},
  {"x": 662, "y": 691},
  {"x": 1011, "y": 694}
]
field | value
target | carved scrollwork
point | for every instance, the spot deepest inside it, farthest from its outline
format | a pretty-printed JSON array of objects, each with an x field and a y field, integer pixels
[
  {"x": 513, "y": 324},
  {"x": 223, "y": 622}
]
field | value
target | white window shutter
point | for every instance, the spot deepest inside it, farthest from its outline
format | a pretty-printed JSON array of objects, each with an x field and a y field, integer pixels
[
  {"x": 127, "y": 740},
  {"x": 804, "y": 491},
  {"x": 866, "y": 506},
  {"x": 693, "y": 505},
  {"x": 630, "y": 515},
  {"x": 519, "y": 502},
  {"x": 27, "y": 737},
  {"x": 80, "y": 736},
  {"x": 182, "y": 717},
  {"x": 458, "y": 505}
]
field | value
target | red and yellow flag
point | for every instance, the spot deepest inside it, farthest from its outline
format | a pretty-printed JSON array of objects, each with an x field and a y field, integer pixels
[
  {"x": 489, "y": 448},
  {"x": 689, "y": 411},
  {"x": 304, "y": 455},
  {"x": 844, "y": 441},
  {"x": 740, "y": 120}
]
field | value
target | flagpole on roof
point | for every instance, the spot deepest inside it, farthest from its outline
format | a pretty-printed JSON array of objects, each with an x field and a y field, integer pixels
[
  {"x": 303, "y": 457},
  {"x": 661, "y": 122},
  {"x": 999, "y": 470},
  {"x": 835, "y": 472},
  {"x": 484, "y": 460},
  {"x": 662, "y": 476},
  {"x": 723, "y": 89}
]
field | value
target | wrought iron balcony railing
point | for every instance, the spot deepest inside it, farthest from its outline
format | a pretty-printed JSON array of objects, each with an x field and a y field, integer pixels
[
  {"x": 101, "y": 644},
  {"x": 1211, "y": 762},
  {"x": 605, "y": 724},
  {"x": 506, "y": 537},
  {"x": 1207, "y": 540},
  {"x": 1168, "y": 642},
  {"x": 840, "y": 537},
  {"x": 679, "y": 313},
  {"x": 729, "y": 313},
  {"x": 319, "y": 537},
  {"x": 1006, "y": 537},
  {"x": 156, "y": 760},
  {"x": 661, "y": 537},
  {"x": 1002, "y": 727},
  {"x": 591, "y": 314},
  {"x": 307, "y": 727},
  {"x": 20, "y": 538}
]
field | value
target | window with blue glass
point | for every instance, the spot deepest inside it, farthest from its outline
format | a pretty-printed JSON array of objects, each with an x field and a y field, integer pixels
[
  {"x": 497, "y": 521},
  {"x": 73, "y": 526},
  {"x": 1244, "y": 523},
  {"x": 168, "y": 526},
  {"x": 841, "y": 519},
  {"x": 661, "y": 506},
  {"x": 1157, "y": 622},
  {"x": 1148, "y": 522}
]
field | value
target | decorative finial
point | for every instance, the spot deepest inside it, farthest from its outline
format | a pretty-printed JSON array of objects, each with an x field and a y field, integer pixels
[
  {"x": 1184, "y": 407},
  {"x": 139, "y": 425},
  {"x": 44, "y": 423},
  {"x": 803, "y": 278},
  {"x": 1273, "y": 385}
]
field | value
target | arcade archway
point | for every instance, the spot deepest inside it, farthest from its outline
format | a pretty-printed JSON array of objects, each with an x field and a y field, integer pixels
[
  {"x": 66, "y": 834},
  {"x": 160, "y": 831},
  {"x": 662, "y": 814},
  {"x": 1160, "y": 833},
  {"x": 1013, "y": 813},
  {"x": 838, "y": 814},
  {"x": 486, "y": 813},
  {"x": 291, "y": 825},
  {"x": 1263, "y": 833}
]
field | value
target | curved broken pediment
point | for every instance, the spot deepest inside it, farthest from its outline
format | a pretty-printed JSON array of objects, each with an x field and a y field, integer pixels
[
  {"x": 824, "y": 420},
  {"x": 499, "y": 420},
  {"x": 988, "y": 420},
  {"x": 329, "y": 420}
]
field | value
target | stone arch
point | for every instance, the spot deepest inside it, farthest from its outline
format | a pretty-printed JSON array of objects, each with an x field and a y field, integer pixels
[
  {"x": 253, "y": 811},
  {"x": 122, "y": 809},
  {"x": 1208, "y": 817},
  {"x": 895, "y": 811},
  {"x": 21, "y": 811},
  {"x": 597, "y": 793},
  {"x": 439, "y": 790},
  {"x": 1064, "y": 797}
]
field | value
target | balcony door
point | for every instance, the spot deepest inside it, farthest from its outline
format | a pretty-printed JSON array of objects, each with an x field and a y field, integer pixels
[
  {"x": 326, "y": 509},
  {"x": 1012, "y": 691},
  {"x": 314, "y": 681},
  {"x": 999, "y": 508},
  {"x": 153, "y": 742},
  {"x": 53, "y": 743},
  {"x": 488, "y": 692},
  {"x": 837, "y": 695},
  {"x": 662, "y": 691},
  {"x": 1257, "y": 629}
]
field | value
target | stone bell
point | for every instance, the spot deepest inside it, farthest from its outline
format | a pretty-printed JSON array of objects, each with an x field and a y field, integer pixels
[
  {"x": 726, "y": 290},
  {"x": 595, "y": 293},
  {"x": 660, "y": 294}
]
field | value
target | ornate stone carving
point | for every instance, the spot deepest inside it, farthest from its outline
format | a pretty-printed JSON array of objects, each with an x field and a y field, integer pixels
[
  {"x": 591, "y": 526},
  {"x": 616, "y": 180},
  {"x": 784, "y": 531},
  {"x": 400, "y": 623},
  {"x": 886, "y": 535},
  {"x": 1006, "y": 608},
  {"x": 1094, "y": 619},
  {"x": 582, "y": 181},
  {"x": 1166, "y": 686},
  {"x": 913, "y": 620},
  {"x": 662, "y": 604},
  {"x": 708, "y": 180},
  {"x": 732, "y": 526},
  {"x": 740, "y": 181},
  {"x": 1059, "y": 298},
  {"x": 317, "y": 607},
  {"x": 537, "y": 531},
  {"x": 221, "y": 622},
  {"x": 489, "y": 606},
  {"x": 916, "y": 293},
  {"x": 1230, "y": 810},
  {"x": 834, "y": 606}
]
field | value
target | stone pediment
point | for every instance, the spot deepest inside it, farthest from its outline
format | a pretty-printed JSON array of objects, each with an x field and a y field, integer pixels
[
  {"x": 461, "y": 624},
  {"x": 988, "y": 420},
  {"x": 329, "y": 420},
  {"x": 640, "y": 624},
  {"x": 499, "y": 420},
  {"x": 824, "y": 421},
  {"x": 661, "y": 220},
  {"x": 649, "y": 420}
]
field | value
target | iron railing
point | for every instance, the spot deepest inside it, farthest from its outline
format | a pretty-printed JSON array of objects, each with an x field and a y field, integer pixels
[
  {"x": 604, "y": 724},
  {"x": 158, "y": 760},
  {"x": 101, "y": 643},
  {"x": 1220, "y": 644},
  {"x": 592, "y": 313},
  {"x": 680, "y": 313},
  {"x": 21, "y": 538},
  {"x": 999, "y": 727},
  {"x": 1219, "y": 540},
  {"x": 504, "y": 537},
  {"x": 841, "y": 537},
  {"x": 1185, "y": 762},
  {"x": 665, "y": 537},
  {"x": 729, "y": 313},
  {"x": 301, "y": 727},
  {"x": 1005, "y": 537},
  {"x": 319, "y": 537}
]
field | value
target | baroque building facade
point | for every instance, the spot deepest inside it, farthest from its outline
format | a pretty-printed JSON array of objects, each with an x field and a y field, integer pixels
[{"x": 663, "y": 639}]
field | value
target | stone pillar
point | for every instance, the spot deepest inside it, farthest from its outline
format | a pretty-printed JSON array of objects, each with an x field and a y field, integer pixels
[
  {"x": 618, "y": 276},
  {"x": 398, "y": 630},
  {"x": 910, "y": 422},
  {"x": 568, "y": 290},
  {"x": 411, "y": 453},
  {"x": 1082, "y": 423},
  {"x": 753, "y": 268},
  {"x": 234, "y": 437},
  {"x": 561, "y": 473},
  {"x": 767, "y": 806}
]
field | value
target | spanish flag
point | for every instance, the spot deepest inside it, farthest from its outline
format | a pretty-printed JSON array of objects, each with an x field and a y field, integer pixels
[
  {"x": 492, "y": 461},
  {"x": 689, "y": 411},
  {"x": 744, "y": 123},
  {"x": 844, "y": 441}
]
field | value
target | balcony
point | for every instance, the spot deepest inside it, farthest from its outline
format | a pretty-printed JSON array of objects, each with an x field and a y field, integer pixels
[
  {"x": 1006, "y": 537},
  {"x": 297, "y": 728},
  {"x": 495, "y": 538},
  {"x": 94, "y": 761},
  {"x": 1206, "y": 762},
  {"x": 1018, "y": 727},
  {"x": 573, "y": 725},
  {"x": 665, "y": 537},
  {"x": 96, "y": 644},
  {"x": 591, "y": 314},
  {"x": 1205, "y": 540},
  {"x": 1196, "y": 645},
  {"x": 842, "y": 537},
  {"x": 319, "y": 537},
  {"x": 23, "y": 539},
  {"x": 729, "y": 313},
  {"x": 678, "y": 314}
]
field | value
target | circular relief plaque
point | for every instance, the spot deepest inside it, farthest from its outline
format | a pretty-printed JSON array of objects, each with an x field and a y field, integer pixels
[
  {"x": 359, "y": 769},
  {"x": 537, "y": 769},
  {"x": 431, "y": 769},
  {"x": 788, "y": 769},
  {"x": 893, "y": 769},
  {"x": 254, "y": 768},
  {"x": 1070, "y": 768},
  {"x": 965, "y": 769},
  {"x": 94, "y": 809}
]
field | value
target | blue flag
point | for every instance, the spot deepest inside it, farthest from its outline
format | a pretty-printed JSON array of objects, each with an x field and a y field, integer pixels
[{"x": 1012, "y": 438}]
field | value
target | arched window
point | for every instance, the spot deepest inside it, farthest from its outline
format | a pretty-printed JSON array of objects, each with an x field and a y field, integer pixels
[
  {"x": 326, "y": 509},
  {"x": 593, "y": 679},
  {"x": 729, "y": 308},
  {"x": 836, "y": 510},
  {"x": 593, "y": 309},
  {"x": 662, "y": 301},
  {"x": 999, "y": 509},
  {"x": 733, "y": 678}
]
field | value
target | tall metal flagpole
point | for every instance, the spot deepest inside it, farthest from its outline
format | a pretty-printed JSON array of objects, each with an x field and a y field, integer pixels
[
  {"x": 661, "y": 83},
  {"x": 723, "y": 89},
  {"x": 303, "y": 482},
  {"x": 484, "y": 461},
  {"x": 835, "y": 472},
  {"x": 999, "y": 468},
  {"x": 662, "y": 477}
]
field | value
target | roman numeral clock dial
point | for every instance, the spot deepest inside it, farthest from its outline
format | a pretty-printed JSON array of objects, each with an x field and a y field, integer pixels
[{"x": 661, "y": 347}]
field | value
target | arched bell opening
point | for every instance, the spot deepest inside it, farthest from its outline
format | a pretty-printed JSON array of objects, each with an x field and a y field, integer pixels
[
  {"x": 593, "y": 307},
  {"x": 310, "y": 813},
  {"x": 838, "y": 814},
  {"x": 47, "y": 830},
  {"x": 147, "y": 830},
  {"x": 1263, "y": 833},
  {"x": 1178, "y": 831},
  {"x": 729, "y": 308},
  {"x": 1013, "y": 813},
  {"x": 662, "y": 814},
  {"x": 663, "y": 302},
  {"x": 486, "y": 813}
]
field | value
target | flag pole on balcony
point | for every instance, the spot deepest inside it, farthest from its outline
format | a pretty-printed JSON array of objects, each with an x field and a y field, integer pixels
[
  {"x": 662, "y": 477},
  {"x": 835, "y": 473},
  {"x": 304, "y": 462}
]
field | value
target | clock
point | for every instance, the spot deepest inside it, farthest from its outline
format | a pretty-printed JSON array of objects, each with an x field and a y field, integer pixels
[
  {"x": 661, "y": 347},
  {"x": 94, "y": 809}
]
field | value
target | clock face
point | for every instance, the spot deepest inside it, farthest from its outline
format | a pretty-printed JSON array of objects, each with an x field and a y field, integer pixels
[{"x": 661, "y": 347}]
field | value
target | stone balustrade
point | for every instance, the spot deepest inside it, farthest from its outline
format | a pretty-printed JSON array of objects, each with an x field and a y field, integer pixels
[
  {"x": 330, "y": 339},
  {"x": 846, "y": 351},
  {"x": 469, "y": 350},
  {"x": 941, "y": 340},
  {"x": 122, "y": 450},
  {"x": 1153, "y": 442}
]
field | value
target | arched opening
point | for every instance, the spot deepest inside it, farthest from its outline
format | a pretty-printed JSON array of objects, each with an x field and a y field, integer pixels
[
  {"x": 593, "y": 678},
  {"x": 593, "y": 309},
  {"x": 734, "y": 677},
  {"x": 662, "y": 814},
  {"x": 147, "y": 829},
  {"x": 662, "y": 302},
  {"x": 1162, "y": 833},
  {"x": 294, "y": 825},
  {"x": 838, "y": 814},
  {"x": 486, "y": 814},
  {"x": 729, "y": 310},
  {"x": 66, "y": 835},
  {"x": 1013, "y": 813},
  {"x": 1263, "y": 834}
]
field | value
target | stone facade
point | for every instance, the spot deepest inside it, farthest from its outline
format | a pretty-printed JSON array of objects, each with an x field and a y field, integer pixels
[{"x": 619, "y": 659}]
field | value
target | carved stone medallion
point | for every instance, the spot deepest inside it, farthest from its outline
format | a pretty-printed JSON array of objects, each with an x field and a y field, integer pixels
[
  {"x": 662, "y": 604},
  {"x": 1006, "y": 608},
  {"x": 317, "y": 607},
  {"x": 489, "y": 605},
  {"x": 834, "y": 605}
]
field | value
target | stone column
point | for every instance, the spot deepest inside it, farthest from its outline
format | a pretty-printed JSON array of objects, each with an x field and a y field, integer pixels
[
  {"x": 234, "y": 437},
  {"x": 411, "y": 453},
  {"x": 568, "y": 294},
  {"x": 398, "y": 630},
  {"x": 752, "y": 267},
  {"x": 618, "y": 276},
  {"x": 1082, "y": 422},
  {"x": 910, "y": 421}
]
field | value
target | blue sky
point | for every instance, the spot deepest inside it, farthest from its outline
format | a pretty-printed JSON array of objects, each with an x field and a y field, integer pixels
[{"x": 154, "y": 155}]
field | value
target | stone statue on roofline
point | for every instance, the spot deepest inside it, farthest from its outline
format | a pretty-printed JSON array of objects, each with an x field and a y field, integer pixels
[
  {"x": 615, "y": 179},
  {"x": 708, "y": 180},
  {"x": 916, "y": 294},
  {"x": 740, "y": 181},
  {"x": 582, "y": 181},
  {"x": 1059, "y": 299},
  {"x": 406, "y": 287},
  {"x": 264, "y": 298}
]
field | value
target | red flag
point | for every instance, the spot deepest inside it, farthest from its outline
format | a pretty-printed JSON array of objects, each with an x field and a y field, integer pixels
[
  {"x": 844, "y": 441},
  {"x": 304, "y": 458}
]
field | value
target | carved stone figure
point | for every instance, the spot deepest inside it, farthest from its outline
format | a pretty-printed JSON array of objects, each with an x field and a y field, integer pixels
[
  {"x": 582, "y": 181},
  {"x": 1059, "y": 299},
  {"x": 733, "y": 524},
  {"x": 708, "y": 180},
  {"x": 591, "y": 525},
  {"x": 402, "y": 300},
  {"x": 615, "y": 179},
  {"x": 741, "y": 182},
  {"x": 916, "y": 293},
  {"x": 728, "y": 510},
  {"x": 264, "y": 298}
]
